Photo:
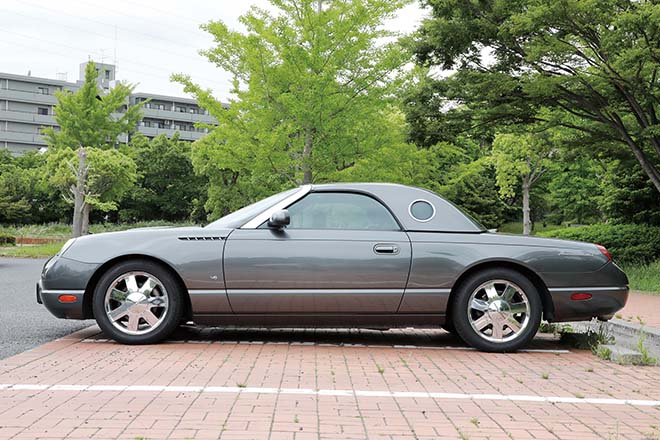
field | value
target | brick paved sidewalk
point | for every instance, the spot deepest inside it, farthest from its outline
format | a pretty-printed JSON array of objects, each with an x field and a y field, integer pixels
[
  {"x": 325, "y": 385},
  {"x": 644, "y": 307}
]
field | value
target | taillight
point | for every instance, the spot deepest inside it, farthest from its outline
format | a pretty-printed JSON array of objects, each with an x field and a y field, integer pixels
[{"x": 604, "y": 251}]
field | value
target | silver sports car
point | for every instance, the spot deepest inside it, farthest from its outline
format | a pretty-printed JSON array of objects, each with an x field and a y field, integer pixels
[{"x": 337, "y": 255}]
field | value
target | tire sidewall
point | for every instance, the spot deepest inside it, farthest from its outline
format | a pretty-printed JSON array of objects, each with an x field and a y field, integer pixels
[
  {"x": 460, "y": 304},
  {"x": 170, "y": 283}
]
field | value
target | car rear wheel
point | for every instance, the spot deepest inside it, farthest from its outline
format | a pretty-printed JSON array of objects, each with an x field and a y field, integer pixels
[
  {"x": 497, "y": 310},
  {"x": 137, "y": 302}
]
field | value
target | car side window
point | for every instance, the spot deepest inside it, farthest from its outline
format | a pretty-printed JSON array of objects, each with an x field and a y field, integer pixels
[{"x": 326, "y": 210}]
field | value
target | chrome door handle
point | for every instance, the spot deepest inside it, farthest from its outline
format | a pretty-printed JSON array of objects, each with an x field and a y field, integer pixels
[{"x": 387, "y": 249}]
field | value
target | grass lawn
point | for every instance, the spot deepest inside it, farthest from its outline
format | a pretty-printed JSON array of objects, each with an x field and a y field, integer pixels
[
  {"x": 63, "y": 231},
  {"x": 644, "y": 277},
  {"x": 32, "y": 251}
]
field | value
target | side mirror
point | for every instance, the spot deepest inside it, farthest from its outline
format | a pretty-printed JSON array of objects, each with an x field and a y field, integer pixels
[{"x": 279, "y": 219}]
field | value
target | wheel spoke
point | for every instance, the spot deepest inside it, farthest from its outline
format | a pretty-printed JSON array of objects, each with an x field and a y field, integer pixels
[
  {"x": 479, "y": 304},
  {"x": 491, "y": 292},
  {"x": 133, "y": 321},
  {"x": 151, "y": 319},
  {"x": 497, "y": 329},
  {"x": 513, "y": 324},
  {"x": 148, "y": 287},
  {"x": 520, "y": 307},
  {"x": 120, "y": 311},
  {"x": 131, "y": 284},
  {"x": 482, "y": 322},
  {"x": 508, "y": 293}
]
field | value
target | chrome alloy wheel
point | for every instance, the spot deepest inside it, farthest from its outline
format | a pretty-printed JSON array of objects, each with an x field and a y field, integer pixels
[
  {"x": 136, "y": 303},
  {"x": 498, "y": 311}
]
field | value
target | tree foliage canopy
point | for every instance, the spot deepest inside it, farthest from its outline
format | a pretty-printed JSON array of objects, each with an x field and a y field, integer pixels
[
  {"x": 594, "y": 63},
  {"x": 312, "y": 81}
]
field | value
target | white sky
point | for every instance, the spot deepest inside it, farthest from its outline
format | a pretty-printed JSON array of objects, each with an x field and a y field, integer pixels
[{"x": 154, "y": 38}]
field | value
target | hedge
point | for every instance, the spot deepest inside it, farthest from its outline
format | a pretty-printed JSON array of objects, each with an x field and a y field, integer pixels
[
  {"x": 626, "y": 243},
  {"x": 7, "y": 240}
]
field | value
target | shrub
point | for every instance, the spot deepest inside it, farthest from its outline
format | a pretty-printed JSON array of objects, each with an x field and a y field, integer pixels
[
  {"x": 7, "y": 240},
  {"x": 626, "y": 243}
]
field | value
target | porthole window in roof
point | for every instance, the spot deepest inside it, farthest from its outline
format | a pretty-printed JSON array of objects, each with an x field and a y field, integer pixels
[{"x": 422, "y": 210}]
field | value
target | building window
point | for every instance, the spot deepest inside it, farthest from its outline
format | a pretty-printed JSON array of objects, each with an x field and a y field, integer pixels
[
  {"x": 181, "y": 109},
  {"x": 161, "y": 107},
  {"x": 42, "y": 110},
  {"x": 43, "y": 90},
  {"x": 107, "y": 74}
]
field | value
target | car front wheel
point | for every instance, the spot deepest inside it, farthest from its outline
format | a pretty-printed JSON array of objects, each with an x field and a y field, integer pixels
[
  {"x": 137, "y": 302},
  {"x": 497, "y": 310}
]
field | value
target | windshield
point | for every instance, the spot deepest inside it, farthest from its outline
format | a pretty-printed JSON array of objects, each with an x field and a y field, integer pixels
[{"x": 239, "y": 218}]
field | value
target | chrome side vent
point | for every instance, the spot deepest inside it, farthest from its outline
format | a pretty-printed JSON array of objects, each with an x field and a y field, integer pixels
[{"x": 200, "y": 238}]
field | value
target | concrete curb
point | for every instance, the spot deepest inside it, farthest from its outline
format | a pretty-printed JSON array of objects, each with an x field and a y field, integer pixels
[{"x": 626, "y": 334}]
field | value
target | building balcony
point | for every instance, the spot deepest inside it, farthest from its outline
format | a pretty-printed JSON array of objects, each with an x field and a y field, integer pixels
[
  {"x": 24, "y": 96},
  {"x": 22, "y": 138},
  {"x": 183, "y": 135},
  {"x": 177, "y": 116},
  {"x": 26, "y": 117}
]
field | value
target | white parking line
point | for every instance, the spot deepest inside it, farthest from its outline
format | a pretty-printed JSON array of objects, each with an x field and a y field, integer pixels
[
  {"x": 326, "y": 392},
  {"x": 325, "y": 344}
]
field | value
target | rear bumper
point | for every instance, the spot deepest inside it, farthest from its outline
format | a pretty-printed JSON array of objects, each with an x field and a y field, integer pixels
[
  {"x": 69, "y": 310},
  {"x": 603, "y": 304}
]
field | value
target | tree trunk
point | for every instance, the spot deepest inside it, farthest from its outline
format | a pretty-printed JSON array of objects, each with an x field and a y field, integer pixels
[
  {"x": 85, "y": 219},
  {"x": 79, "y": 193},
  {"x": 307, "y": 155},
  {"x": 527, "y": 221}
]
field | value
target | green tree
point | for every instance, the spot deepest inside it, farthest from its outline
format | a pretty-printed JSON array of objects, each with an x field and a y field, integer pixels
[
  {"x": 472, "y": 187},
  {"x": 14, "y": 202},
  {"x": 89, "y": 121},
  {"x": 627, "y": 196},
  {"x": 109, "y": 176},
  {"x": 594, "y": 63},
  {"x": 25, "y": 194},
  {"x": 520, "y": 159},
  {"x": 574, "y": 191},
  {"x": 167, "y": 187},
  {"x": 312, "y": 80}
]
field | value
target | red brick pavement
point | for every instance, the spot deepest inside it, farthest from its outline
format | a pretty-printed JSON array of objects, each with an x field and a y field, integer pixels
[{"x": 239, "y": 361}]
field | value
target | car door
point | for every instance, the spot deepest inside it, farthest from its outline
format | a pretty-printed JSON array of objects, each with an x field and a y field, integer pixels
[{"x": 342, "y": 253}]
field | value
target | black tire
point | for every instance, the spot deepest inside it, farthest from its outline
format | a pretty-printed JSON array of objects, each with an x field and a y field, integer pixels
[
  {"x": 168, "y": 320},
  {"x": 479, "y": 340}
]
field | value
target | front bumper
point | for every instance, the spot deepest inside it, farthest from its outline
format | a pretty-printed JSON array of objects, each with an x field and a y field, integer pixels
[
  {"x": 603, "y": 304},
  {"x": 63, "y": 276},
  {"x": 65, "y": 310}
]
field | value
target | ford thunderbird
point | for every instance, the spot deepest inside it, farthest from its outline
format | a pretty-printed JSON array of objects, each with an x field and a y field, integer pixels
[{"x": 335, "y": 255}]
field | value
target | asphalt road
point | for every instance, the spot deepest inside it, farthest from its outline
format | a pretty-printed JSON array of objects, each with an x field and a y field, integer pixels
[{"x": 24, "y": 323}]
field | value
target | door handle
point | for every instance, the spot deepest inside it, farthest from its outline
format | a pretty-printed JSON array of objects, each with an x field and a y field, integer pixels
[{"x": 386, "y": 249}]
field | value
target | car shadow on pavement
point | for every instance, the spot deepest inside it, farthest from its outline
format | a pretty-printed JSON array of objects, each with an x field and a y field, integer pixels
[{"x": 421, "y": 338}]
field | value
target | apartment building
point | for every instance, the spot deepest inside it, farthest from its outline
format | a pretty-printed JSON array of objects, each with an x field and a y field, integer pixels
[{"x": 26, "y": 106}]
